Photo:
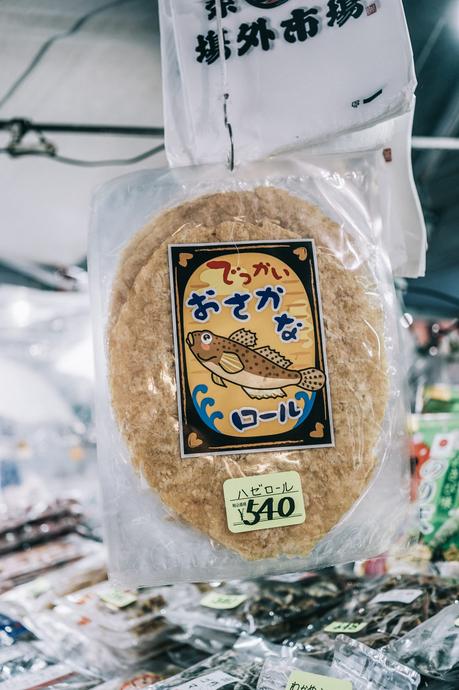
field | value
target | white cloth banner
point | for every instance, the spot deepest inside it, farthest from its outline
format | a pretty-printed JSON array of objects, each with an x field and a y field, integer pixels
[{"x": 294, "y": 73}]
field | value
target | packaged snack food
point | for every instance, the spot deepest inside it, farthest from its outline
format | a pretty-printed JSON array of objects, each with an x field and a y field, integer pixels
[
  {"x": 24, "y": 565},
  {"x": 370, "y": 669},
  {"x": 24, "y": 667},
  {"x": 38, "y": 523},
  {"x": 377, "y": 614},
  {"x": 92, "y": 649},
  {"x": 143, "y": 677},
  {"x": 122, "y": 610},
  {"x": 355, "y": 667},
  {"x": 265, "y": 607},
  {"x": 38, "y": 594},
  {"x": 260, "y": 255},
  {"x": 136, "y": 639},
  {"x": 432, "y": 648},
  {"x": 435, "y": 449},
  {"x": 276, "y": 672},
  {"x": 239, "y": 666}
]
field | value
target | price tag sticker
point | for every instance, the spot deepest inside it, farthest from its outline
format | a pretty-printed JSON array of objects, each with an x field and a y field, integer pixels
[
  {"x": 345, "y": 628},
  {"x": 456, "y": 622},
  {"x": 301, "y": 680},
  {"x": 264, "y": 501},
  {"x": 216, "y": 600},
  {"x": 398, "y": 596},
  {"x": 118, "y": 598}
]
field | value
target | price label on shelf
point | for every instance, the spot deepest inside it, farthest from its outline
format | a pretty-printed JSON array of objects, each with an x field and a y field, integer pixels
[
  {"x": 216, "y": 600},
  {"x": 345, "y": 628}
]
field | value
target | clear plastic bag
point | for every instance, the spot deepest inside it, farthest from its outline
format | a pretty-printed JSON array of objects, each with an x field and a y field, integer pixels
[
  {"x": 433, "y": 647},
  {"x": 21, "y": 566},
  {"x": 24, "y": 667},
  {"x": 123, "y": 610},
  {"x": 276, "y": 672},
  {"x": 144, "y": 676},
  {"x": 40, "y": 593},
  {"x": 377, "y": 613},
  {"x": 90, "y": 649},
  {"x": 370, "y": 669},
  {"x": 234, "y": 669},
  {"x": 266, "y": 607},
  {"x": 165, "y": 514}
]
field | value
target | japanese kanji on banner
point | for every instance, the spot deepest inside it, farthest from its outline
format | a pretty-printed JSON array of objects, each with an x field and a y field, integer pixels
[{"x": 246, "y": 78}]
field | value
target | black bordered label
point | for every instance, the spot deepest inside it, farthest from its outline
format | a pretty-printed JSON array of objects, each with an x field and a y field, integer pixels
[{"x": 249, "y": 345}]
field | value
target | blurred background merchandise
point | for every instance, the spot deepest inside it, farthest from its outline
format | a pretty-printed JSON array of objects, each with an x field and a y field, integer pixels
[{"x": 80, "y": 102}]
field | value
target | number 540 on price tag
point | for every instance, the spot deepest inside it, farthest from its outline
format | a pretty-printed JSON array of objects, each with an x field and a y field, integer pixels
[{"x": 264, "y": 501}]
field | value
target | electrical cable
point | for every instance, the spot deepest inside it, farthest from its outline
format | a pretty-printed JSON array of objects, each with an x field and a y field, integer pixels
[
  {"x": 84, "y": 163},
  {"x": 50, "y": 41}
]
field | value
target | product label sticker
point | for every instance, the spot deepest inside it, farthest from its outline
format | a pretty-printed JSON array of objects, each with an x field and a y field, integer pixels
[
  {"x": 264, "y": 501},
  {"x": 118, "y": 598},
  {"x": 302, "y": 680},
  {"x": 250, "y": 353},
  {"x": 456, "y": 622},
  {"x": 345, "y": 628},
  {"x": 216, "y": 600},
  {"x": 402, "y": 596},
  {"x": 209, "y": 681}
]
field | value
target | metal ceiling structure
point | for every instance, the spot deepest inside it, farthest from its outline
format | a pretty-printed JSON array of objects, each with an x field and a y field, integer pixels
[{"x": 106, "y": 69}]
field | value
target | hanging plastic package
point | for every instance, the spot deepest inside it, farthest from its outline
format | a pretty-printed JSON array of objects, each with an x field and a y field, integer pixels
[
  {"x": 270, "y": 424},
  {"x": 294, "y": 75},
  {"x": 250, "y": 382}
]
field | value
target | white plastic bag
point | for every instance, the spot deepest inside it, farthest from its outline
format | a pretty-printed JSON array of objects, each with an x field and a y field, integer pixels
[{"x": 292, "y": 75}]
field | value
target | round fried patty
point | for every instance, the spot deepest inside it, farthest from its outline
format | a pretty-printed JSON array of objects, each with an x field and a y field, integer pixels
[{"x": 142, "y": 369}]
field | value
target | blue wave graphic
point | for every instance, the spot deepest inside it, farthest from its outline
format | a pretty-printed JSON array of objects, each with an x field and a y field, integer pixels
[
  {"x": 308, "y": 405},
  {"x": 202, "y": 406}
]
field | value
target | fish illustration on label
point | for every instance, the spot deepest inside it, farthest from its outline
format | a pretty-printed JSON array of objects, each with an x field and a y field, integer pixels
[
  {"x": 261, "y": 372},
  {"x": 251, "y": 365}
]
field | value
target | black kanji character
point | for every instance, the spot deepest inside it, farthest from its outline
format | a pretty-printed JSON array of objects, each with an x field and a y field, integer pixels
[
  {"x": 303, "y": 23},
  {"x": 255, "y": 34},
  {"x": 208, "y": 47},
  {"x": 226, "y": 5},
  {"x": 339, "y": 11}
]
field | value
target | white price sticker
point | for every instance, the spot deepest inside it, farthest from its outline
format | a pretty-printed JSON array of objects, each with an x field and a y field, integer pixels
[{"x": 402, "y": 596}]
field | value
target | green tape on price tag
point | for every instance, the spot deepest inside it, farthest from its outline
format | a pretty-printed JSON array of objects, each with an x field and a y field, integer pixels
[
  {"x": 264, "y": 501},
  {"x": 342, "y": 627},
  {"x": 214, "y": 600},
  {"x": 301, "y": 680},
  {"x": 118, "y": 598}
]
